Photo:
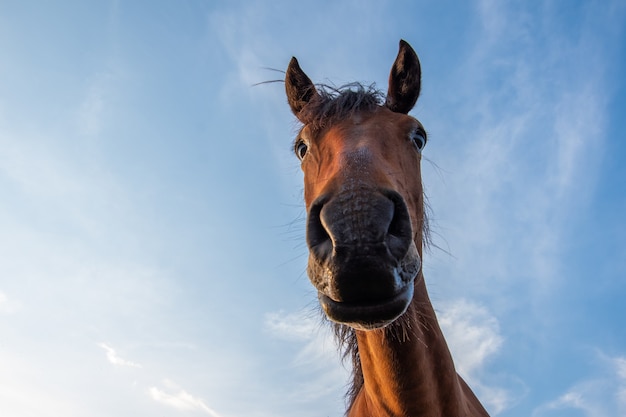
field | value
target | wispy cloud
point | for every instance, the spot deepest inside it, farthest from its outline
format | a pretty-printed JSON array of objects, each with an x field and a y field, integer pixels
[
  {"x": 599, "y": 396},
  {"x": 317, "y": 355},
  {"x": 579, "y": 397},
  {"x": 298, "y": 326},
  {"x": 7, "y": 305},
  {"x": 474, "y": 337},
  {"x": 528, "y": 157},
  {"x": 175, "y": 397},
  {"x": 91, "y": 109},
  {"x": 620, "y": 365},
  {"x": 115, "y": 359},
  {"x": 319, "y": 346},
  {"x": 524, "y": 167},
  {"x": 472, "y": 333}
]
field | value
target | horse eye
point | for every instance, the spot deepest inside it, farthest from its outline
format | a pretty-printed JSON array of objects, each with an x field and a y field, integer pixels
[
  {"x": 301, "y": 148},
  {"x": 419, "y": 139}
]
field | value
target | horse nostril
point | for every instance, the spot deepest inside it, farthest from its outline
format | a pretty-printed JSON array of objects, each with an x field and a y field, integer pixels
[
  {"x": 361, "y": 225},
  {"x": 317, "y": 237},
  {"x": 358, "y": 242},
  {"x": 399, "y": 233}
]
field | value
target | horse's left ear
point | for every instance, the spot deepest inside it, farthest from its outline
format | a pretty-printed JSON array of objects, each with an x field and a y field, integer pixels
[{"x": 404, "y": 80}]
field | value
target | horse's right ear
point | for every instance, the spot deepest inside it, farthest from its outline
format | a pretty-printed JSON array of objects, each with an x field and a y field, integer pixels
[
  {"x": 300, "y": 89},
  {"x": 404, "y": 80}
]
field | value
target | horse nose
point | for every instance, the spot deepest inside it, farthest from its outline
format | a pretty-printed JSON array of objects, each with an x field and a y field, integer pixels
[{"x": 359, "y": 237}]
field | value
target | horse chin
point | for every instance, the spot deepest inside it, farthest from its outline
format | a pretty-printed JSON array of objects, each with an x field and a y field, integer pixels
[
  {"x": 368, "y": 313},
  {"x": 368, "y": 316}
]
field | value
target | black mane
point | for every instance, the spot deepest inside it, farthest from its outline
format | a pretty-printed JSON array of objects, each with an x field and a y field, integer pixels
[
  {"x": 346, "y": 339},
  {"x": 336, "y": 103}
]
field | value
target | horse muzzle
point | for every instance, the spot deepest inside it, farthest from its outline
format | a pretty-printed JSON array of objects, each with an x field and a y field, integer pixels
[{"x": 362, "y": 257}]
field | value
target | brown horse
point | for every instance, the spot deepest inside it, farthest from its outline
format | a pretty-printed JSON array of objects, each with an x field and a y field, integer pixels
[{"x": 365, "y": 230}]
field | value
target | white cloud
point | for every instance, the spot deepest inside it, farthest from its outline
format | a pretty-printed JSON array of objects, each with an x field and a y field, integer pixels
[
  {"x": 317, "y": 364},
  {"x": 573, "y": 399},
  {"x": 7, "y": 305},
  {"x": 91, "y": 109},
  {"x": 240, "y": 33},
  {"x": 473, "y": 336},
  {"x": 292, "y": 326},
  {"x": 35, "y": 166},
  {"x": 579, "y": 398},
  {"x": 319, "y": 346},
  {"x": 180, "y": 399},
  {"x": 56, "y": 184},
  {"x": 602, "y": 395},
  {"x": 115, "y": 359},
  {"x": 619, "y": 364},
  {"x": 525, "y": 163},
  {"x": 620, "y": 368}
]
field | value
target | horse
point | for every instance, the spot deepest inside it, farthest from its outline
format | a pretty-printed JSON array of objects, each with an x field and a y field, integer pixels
[{"x": 366, "y": 227}]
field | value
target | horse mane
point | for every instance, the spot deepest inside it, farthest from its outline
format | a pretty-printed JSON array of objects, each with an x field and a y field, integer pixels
[
  {"x": 336, "y": 103},
  {"x": 345, "y": 336}
]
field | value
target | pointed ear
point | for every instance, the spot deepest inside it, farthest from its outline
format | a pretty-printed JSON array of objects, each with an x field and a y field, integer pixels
[
  {"x": 404, "y": 80},
  {"x": 299, "y": 87}
]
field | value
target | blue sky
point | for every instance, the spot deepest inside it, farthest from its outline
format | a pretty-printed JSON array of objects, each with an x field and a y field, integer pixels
[{"x": 152, "y": 257}]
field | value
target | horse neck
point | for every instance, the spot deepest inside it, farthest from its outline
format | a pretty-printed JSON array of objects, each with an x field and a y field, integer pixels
[{"x": 407, "y": 367}]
